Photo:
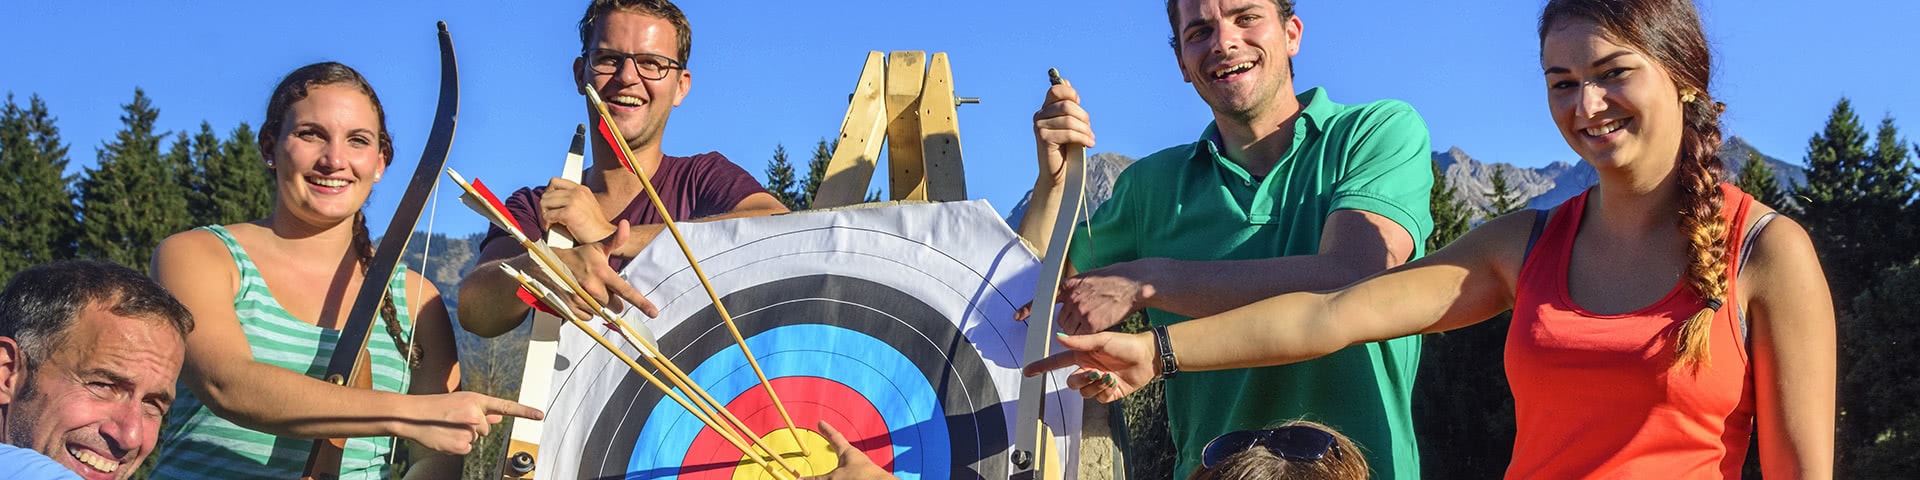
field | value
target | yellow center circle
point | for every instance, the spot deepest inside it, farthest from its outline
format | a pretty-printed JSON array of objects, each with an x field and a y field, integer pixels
[{"x": 781, "y": 443}]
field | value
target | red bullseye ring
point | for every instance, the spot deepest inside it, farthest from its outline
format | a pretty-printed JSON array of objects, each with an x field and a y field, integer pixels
[{"x": 809, "y": 400}]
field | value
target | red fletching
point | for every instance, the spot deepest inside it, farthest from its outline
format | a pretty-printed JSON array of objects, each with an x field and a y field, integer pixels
[
  {"x": 527, "y": 297},
  {"x": 606, "y": 132},
  {"x": 498, "y": 206}
]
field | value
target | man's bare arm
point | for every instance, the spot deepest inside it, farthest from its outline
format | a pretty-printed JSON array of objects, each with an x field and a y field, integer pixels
[{"x": 489, "y": 308}]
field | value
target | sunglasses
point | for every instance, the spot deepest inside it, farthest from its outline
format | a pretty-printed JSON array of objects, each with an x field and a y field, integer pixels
[{"x": 1298, "y": 443}]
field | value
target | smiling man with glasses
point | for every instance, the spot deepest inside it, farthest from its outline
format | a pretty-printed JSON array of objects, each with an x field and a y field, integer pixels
[{"x": 634, "y": 53}]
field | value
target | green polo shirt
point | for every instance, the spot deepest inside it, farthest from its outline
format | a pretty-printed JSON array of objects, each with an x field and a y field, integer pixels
[{"x": 1191, "y": 203}]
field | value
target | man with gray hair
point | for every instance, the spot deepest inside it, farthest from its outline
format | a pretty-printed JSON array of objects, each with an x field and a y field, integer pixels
[{"x": 89, "y": 356}]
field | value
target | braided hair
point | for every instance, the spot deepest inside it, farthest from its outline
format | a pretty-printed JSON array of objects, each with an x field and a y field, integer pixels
[
  {"x": 1669, "y": 31},
  {"x": 294, "y": 88}
]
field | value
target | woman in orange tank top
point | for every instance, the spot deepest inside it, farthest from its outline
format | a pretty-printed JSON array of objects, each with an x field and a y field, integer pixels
[{"x": 1648, "y": 337}]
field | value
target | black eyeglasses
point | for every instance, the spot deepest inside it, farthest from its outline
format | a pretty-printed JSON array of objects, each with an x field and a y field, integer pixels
[
  {"x": 650, "y": 66},
  {"x": 1298, "y": 443}
]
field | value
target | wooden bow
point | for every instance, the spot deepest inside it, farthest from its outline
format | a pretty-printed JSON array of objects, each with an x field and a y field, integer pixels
[
  {"x": 349, "y": 365},
  {"x": 1032, "y": 438}
]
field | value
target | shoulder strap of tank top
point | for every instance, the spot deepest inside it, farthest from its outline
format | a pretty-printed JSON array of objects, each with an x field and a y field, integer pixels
[
  {"x": 1746, "y": 244},
  {"x": 1746, "y": 253},
  {"x": 1539, "y": 225}
]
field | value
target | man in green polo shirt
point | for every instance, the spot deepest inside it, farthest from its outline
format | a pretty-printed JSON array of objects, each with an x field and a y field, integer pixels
[{"x": 1280, "y": 193}]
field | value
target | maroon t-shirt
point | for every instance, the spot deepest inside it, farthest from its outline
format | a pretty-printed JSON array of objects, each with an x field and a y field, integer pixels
[{"x": 703, "y": 185}]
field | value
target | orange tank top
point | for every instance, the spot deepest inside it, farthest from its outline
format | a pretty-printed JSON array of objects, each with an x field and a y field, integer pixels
[{"x": 1594, "y": 395}]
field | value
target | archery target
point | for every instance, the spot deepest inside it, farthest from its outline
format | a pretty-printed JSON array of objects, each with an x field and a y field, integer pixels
[{"x": 892, "y": 324}]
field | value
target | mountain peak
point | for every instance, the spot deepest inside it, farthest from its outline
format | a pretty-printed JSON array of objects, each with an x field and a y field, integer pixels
[{"x": 1548, "y": 185}]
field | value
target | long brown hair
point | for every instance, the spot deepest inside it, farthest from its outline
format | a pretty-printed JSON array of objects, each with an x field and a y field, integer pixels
[
  {"x": 1669, "y": 31},
  {"x": 294, "y": 88}
]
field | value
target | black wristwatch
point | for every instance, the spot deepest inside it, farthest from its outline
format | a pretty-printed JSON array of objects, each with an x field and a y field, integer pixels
[{"x": 1168, "y": 367}]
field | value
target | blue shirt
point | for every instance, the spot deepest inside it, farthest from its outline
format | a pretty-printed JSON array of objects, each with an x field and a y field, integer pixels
[{"x": 23, "y": 464}]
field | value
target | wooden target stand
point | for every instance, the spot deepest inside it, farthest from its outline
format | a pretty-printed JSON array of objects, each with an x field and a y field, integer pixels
[{"x": 904, "y": 101}]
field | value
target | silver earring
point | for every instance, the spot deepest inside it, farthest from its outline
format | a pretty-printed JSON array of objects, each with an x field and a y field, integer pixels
[{"x": 269, "y": 163}]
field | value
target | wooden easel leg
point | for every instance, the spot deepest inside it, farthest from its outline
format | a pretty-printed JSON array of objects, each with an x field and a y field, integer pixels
[
  {"x": 946, "y": 179},
  {"x": 861, "y": 135},
  {"x": 907, "y": 172}
]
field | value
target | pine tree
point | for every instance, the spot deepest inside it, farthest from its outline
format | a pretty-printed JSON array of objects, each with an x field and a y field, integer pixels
[
  {"x": 128, "y": 202},
  {"x": 1450, "y": 215},
  {"x": 1835, "y": 163},
  {"x": 1503, "y": 200},
  {"x": 1757, "y": 178},
  {"x": 1889, "y": 196},
  {"x": 816, "y": 172},
  {"x": 179, "y": 164},
  {"x": 1852, "y": 200},
  {"x": 780, "y": 181},
  {"x": 243, "y": 152},
  {"x": 1852, "y": 197},
  {"x": 38, "y": 211},
  {"x": 232, "y": 184},
  {"x": 204, "y": 149},
  {"x": 1879, "y": 392}
]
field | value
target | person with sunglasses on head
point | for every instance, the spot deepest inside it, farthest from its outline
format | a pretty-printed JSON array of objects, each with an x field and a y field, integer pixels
[
  {"x": 270, "y": 297},
  {"x": 1296, "y": 450},
  {"x": 634, "y": 53},
  {"x": 1661, "y": 320},
  {"x": 1281, "y": 192}
]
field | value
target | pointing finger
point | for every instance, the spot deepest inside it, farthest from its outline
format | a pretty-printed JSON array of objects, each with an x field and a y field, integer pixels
[{"x": 1055, "y": 362}]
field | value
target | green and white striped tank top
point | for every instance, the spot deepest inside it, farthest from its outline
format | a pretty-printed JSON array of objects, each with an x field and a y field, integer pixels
[{"x": 195, "y": 443}]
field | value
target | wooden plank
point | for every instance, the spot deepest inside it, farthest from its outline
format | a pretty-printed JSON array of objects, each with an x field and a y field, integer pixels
[
  {"x": 1031, "y": 434},
  {"x": 851, "y": 169},
  {"x": 940, "y": 134},
  {"x": 908, "y": 172},
  {"x": 537, "y": 370}
]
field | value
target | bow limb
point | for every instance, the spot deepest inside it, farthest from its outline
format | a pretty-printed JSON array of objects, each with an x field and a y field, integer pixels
[
  {"x": 1031, "y": 452},
  {"x": 346, "y": 365}
]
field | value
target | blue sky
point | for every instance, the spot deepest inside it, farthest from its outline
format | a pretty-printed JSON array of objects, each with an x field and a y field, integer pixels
[{"x": 778, "y": 72}]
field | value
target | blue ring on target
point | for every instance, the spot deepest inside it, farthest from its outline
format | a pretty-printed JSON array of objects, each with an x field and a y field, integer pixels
[{"x": 887, "y": 379}]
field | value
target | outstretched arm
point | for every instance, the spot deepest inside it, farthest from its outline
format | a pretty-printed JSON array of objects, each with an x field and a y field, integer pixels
[
  {"x": 221, "y": 371},
  {"x": 439, "y": 370},
  {"x": 1353, "y": 245},
  {"x": 1463, "y": 284}
]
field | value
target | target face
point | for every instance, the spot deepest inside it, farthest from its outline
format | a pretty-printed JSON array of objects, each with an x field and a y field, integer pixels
[{"x": 892, "y": 324}]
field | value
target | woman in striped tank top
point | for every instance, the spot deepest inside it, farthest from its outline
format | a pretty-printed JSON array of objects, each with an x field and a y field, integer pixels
[
  {"x": 270, "y": 296},
  {"x": 1657, "y": 327}
]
